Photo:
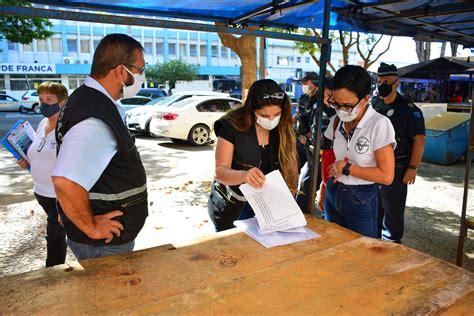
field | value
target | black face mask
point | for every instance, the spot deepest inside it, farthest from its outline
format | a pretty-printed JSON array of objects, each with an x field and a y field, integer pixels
[
  {"x": 384, "y": 89},
  {"x": 49, "y": 110}
]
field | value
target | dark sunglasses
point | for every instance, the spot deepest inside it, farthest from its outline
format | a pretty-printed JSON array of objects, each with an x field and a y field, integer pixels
[
  {"x": 275, "y": 98},
  {"x": 41, "y": 144}
]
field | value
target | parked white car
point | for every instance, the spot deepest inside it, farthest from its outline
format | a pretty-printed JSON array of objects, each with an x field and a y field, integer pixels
[
  {"x": 138, "y": 119},
  {"x": 133, "y": 102},
  {"x": 31, "y": 96},
  {"x": 191, "y": 119},
  {"x": 9, "y": 103}
]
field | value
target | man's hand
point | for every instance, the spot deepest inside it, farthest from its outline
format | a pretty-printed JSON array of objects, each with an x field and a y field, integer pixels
[
  {"x": 320, "y": 197},
  {"x": 106, "y": 227},
  {"x": 302, "y": 139},
  {"x": 409, "y": 177}
]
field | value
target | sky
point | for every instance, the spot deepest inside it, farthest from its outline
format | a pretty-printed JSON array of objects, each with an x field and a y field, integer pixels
[{"x": 403, "y": 52}]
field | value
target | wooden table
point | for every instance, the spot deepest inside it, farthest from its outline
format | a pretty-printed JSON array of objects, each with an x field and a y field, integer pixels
[{"x": 340, "y": 273}]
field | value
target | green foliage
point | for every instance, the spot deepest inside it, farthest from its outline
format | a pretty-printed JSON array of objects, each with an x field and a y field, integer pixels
[
  {"x": 306, "y": 47},
  {"x": 23, "y": 30},
  {"x": 172, "y": 71}
]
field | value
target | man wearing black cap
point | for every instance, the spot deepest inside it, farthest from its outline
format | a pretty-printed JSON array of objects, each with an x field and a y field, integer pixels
[
  {"x": 407, "y": 120},
  {"x": 305, "y": 124}
]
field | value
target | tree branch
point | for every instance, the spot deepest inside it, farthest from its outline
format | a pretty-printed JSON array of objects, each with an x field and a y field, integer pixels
[
  {"x": 373, "y": 47},
  {"x": 386, "y": 50}
]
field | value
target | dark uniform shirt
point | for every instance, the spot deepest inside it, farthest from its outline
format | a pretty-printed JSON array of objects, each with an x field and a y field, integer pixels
[{"x": 407, "y": 120}]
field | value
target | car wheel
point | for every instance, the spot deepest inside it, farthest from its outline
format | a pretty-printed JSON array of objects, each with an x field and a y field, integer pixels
[
  {"x": 147, "y": 129},
  {"x": 199, "y": 135},
  {"x": 36, "y": 108},
  {"x": 23, "y": 110}
]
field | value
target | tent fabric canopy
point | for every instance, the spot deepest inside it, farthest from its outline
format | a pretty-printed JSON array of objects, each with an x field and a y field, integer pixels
[
  {"x": 426, "y": 20},
  {"x": 439, "y": 68}
]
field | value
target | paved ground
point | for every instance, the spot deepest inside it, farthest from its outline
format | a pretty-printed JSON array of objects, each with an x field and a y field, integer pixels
[{"x": 179, "y": 178}]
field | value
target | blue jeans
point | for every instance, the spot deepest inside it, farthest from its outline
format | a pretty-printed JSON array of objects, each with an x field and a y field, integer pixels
[
  {"x": 352, "y": 206},
  {"x": 83, "y": 251}
]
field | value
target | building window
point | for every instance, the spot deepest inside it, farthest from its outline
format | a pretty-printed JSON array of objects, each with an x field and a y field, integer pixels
[
  {"x": 307, "y": 60},
  {"x": 85, "y": 48},
  {"x": 159, "y": 48},
  {"x": 192, "y": 50},
  {"x": 214, "y": 51},
  {"x": 233, "y": 54},
  {"x": 298, "y": 59},
  {"x": 182, "y": 50},
  {"x": 41, "y": 46},
  {"x": 28, "y": 47},
  {"x": 72, "y": 45},
  {"x": 282, "y": 61},
  {"x": 172, "y": 48},
  {"x": 12, "y": 46},
  {"x": 75, "y": 81},
  {"x": 56, "y": 45},
  {"x": 95, "y": 43},
  {"x": 148, "y": 46},
  {"x": 224, "y": 52},
  {"x": 291, "y": 59},
  {"x": 202, "y": 50}
]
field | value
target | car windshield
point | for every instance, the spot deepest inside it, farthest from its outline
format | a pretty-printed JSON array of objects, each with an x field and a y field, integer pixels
[{"x": 165, "y": 101}]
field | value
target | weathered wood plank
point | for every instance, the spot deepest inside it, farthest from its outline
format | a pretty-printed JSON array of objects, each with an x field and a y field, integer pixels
[{"x": 341, "y": 273}]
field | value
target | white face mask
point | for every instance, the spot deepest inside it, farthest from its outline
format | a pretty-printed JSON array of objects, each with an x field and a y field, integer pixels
[
  {"x": 348, "y": 116},
  {"x": 306, "y": 89},
  {"x": 131, "y": 90},
  {"x": 268, "y": 124}
]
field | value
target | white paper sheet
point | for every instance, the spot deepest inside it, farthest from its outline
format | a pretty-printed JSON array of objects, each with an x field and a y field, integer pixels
[
  {"x": 250, "y": 227},
  {"x": 274, "y": 206}
]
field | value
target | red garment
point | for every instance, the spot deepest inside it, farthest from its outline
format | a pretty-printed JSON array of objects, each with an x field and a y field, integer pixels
[{"x": 327, "y": 159}]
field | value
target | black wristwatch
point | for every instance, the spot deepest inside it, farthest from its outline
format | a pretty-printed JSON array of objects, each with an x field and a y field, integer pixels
[{"x": 346, "y": 170}]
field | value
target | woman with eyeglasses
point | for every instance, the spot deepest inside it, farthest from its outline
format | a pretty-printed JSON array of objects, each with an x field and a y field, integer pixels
[
  {"x": 252, "y": 141},
  {"x": 42, "y": 157},
  {"x": 363, "y": 143}
]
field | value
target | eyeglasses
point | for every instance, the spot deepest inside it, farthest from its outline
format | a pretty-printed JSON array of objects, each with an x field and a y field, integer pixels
[
  {"x": 140, "y": 69},
  {"x": 41, "y": 145},
  {"x": 275, "y": 98},
  {"x": 343, "y": 107}
]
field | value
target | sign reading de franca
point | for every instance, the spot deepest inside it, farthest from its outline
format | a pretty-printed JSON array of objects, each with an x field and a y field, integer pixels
[{"x": 27, "y": 68}]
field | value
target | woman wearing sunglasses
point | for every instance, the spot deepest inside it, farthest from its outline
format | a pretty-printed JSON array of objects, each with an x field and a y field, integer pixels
[
  {"x": 252, "y": 141},
  {"x": 42, "y": 157},
  {"x": 363, "y": 143}
]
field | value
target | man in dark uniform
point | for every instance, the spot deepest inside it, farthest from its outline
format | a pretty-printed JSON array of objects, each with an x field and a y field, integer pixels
[
  {"x": 304, "y": 130},
  {"x": 407, "y": 120}
]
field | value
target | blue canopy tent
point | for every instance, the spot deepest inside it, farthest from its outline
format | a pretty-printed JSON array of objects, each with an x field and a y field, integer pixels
[{"x": 427, "y": 20}]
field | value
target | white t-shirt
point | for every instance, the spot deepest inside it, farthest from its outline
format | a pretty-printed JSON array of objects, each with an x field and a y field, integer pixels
[
  {"x": 42, "y": 156},
  {"x": 87, "y": 147},
  {"x": 374, "y": 131}
]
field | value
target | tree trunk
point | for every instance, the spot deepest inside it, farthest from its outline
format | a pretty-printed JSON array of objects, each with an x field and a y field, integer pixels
[
  {"x": 454, "y": 49},
  {"x": 262, "y": 57},
  {"x": 246, "y": 48},
  {"x": 443, "y": 49},
  {"x": 423, "y": 50}
]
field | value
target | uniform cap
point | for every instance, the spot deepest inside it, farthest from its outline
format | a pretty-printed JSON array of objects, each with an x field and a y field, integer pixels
[{"x": 387, "y": 70}]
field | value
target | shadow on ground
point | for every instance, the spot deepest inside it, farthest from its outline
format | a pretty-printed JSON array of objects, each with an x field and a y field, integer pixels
[{"x": 436, "y": 233}]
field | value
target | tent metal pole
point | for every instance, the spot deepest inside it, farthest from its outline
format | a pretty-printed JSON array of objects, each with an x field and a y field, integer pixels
[
  {"x": 325, "y": 57},
  {"x": 470, "y": 148}
]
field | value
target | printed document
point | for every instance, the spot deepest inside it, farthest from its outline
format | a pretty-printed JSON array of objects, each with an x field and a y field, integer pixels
[
  {"x": 250, "y": 227},
  {"x": 274, "y": 206},
  {"x": 19, "y": 138}
]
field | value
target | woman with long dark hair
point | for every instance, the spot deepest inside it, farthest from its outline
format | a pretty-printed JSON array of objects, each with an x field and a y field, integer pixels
[{"x": 252, "y": 141}]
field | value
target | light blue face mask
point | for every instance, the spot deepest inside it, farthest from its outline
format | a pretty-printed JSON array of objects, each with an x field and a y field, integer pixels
[{"x": 267, "y": 123}]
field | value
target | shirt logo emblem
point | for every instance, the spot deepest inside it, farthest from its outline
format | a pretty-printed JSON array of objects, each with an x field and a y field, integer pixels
[
  {"x": 362, "y": 145},
  {"x": 390, "y": 112}
]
